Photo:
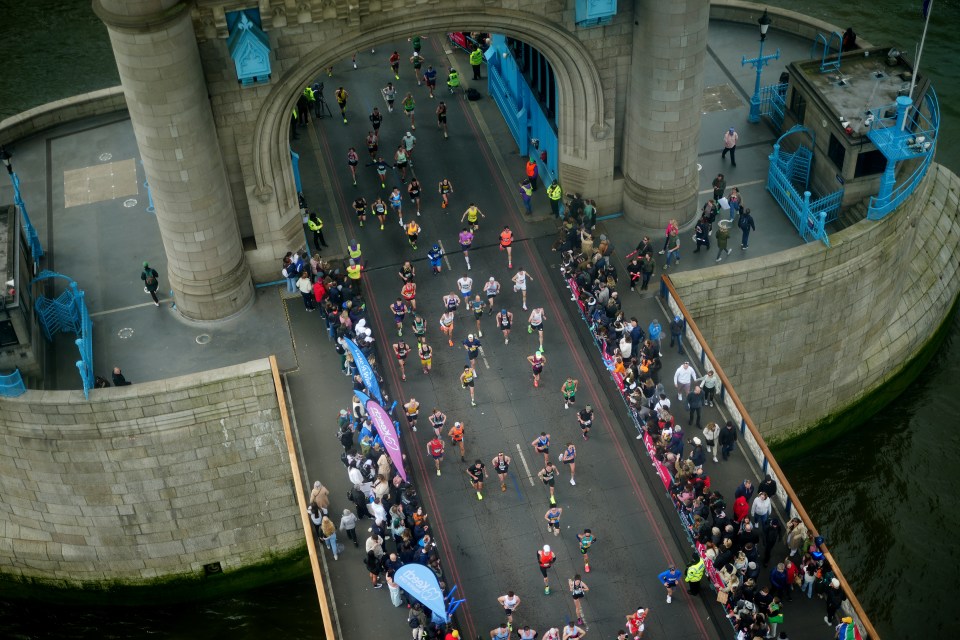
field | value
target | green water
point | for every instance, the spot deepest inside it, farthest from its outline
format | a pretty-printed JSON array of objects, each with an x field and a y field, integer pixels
[{"x": 882, "y": 487}]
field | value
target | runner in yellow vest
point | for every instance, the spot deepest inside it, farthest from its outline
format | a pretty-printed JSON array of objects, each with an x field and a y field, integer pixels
[{"x": 555, "y": 193}]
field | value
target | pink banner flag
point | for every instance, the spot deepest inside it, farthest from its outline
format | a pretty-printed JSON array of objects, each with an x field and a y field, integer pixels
[{"x": 388, "y": 435}]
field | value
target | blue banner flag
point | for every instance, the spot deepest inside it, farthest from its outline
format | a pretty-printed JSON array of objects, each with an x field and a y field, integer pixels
[
  {"x": 421, "y": 584},
  {"x": 367, "y": 373}
]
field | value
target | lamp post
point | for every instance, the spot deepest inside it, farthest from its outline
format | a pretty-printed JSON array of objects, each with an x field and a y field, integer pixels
[
  {"x": 759, "y": 63},
  {"x": 32, "y": 238}
]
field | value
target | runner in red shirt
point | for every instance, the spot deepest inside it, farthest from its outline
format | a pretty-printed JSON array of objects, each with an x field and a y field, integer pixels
[
  {"x": 435, "y": 449},
  {"x": 546, "y": 558}
]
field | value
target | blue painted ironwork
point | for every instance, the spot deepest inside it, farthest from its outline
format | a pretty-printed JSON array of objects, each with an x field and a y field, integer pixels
[
  {"x": 594, "y": 13},
  {"x": 787, "y": 176},
  {"x": 909, "y": 134},
  {"x": 33, "y": 239},
  {"x": 773, "y": 103},
  {"x": 759, "y": 63},
  {"x": 525, "y": 118},
  {"x": 68, "y": 313},
  {"x": 11, "y": 384},
  {"x": 828, "y": 65},
  {"x": 295, "y": 161},
  {"x": 249, "y": 47}
]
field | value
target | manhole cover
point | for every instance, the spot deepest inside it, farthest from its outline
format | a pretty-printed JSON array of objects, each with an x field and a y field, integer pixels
[
  {"x": 104, "y": 157},
  {"x": 130, "y": 202},
  {"x": 125, "y": 333},
  {"x": 203, "y": 338}
]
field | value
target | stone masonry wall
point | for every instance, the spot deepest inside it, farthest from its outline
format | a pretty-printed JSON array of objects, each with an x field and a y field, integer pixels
[
  {"x": 805, "y": 333},
  {"x": 297, "y": 34},
  {"x": 145, "y": 482}
]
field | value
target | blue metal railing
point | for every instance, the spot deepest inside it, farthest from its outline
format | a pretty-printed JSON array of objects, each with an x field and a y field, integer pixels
[
  {"x": 11, "y": 384},
  {"x": 787, "y": 176},
  {"x": 33, "y": 239},
  {"x": 773, "y": 103},
  {"x": 880, "y": 205},
  {"x": 501, "y": 95},
  {"x": 68, "y": 313},
  {"x": 828, "y": 46}
]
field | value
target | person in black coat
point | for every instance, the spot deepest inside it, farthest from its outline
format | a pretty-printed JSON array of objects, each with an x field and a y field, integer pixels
[{"x": 728, "y": 439}]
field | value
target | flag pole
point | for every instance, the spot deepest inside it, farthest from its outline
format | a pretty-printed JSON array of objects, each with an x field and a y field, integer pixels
[{"x": 928, "y": 8}]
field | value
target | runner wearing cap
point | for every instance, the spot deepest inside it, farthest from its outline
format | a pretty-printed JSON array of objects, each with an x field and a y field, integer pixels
[
  {"x": 473, "y": 348},
  {"x": 545, "y": 559},
  {"x": 456, "y": 437},
  {"x": 537, "y": 360}
]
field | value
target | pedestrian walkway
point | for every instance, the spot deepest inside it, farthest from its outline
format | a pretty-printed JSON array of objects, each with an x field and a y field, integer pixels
[{"x": 487, "y": 547}]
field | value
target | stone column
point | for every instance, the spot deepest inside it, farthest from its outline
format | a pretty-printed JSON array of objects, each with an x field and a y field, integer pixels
[
  {"x": 664, "y": 103},
  {"x": 159, "y": 63}
]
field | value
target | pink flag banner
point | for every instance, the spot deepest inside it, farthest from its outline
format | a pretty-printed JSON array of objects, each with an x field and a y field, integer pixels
[{"x": 388, "y": 435}]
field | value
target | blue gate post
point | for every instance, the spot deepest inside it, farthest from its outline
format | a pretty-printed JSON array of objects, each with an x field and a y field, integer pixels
[
  {"x": 889, "y": 178},
  {"x": 807, "y": 227}
]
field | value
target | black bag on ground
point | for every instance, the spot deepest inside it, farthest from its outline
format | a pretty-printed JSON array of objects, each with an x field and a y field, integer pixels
[{"x": 473, "y": 94}]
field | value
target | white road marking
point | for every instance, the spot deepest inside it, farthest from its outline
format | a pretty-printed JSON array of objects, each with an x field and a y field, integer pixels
[
  {"x": 446, "y": 258},
  {"x": 526, "y": 467}
]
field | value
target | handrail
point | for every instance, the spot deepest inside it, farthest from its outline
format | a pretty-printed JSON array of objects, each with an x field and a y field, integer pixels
[
  {"x": 300, "y": 492},
  {"x": 769, "y": 460}
]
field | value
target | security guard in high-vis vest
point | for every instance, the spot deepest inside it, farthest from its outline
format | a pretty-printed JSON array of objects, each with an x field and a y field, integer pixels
[
  {"x": 353, "y": 272},
  {"x": 694, "y": 575},
  {"x": 555, "y": 193},
  {"x": 311, "y": 97},
  {"x": 453, "y": 80},
  {"x": 476, "y": 59},
  {"x": 315, "y": 224}
]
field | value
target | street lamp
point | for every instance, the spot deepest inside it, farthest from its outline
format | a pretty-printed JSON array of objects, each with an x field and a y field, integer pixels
[{"x": 759, "y": 63}]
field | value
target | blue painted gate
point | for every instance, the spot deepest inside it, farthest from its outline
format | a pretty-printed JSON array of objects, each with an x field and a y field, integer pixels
[
  {"x": 68, "y": 313},
  {"x": 788, "y": 181}
]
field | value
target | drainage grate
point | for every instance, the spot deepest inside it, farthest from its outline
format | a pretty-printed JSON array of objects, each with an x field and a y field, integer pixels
[{"x": 204, "y": 338}]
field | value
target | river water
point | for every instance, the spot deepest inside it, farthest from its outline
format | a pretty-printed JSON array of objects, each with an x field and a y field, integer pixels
[{"x": 883, "y": 487}]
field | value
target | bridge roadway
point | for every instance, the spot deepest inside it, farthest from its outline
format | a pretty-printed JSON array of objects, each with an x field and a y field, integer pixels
[{"x": 488, "y": 547}]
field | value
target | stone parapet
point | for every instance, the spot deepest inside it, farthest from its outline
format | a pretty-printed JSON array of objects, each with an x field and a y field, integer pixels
[
  {"x": 146, "y": 483},
  {"x": 805, "y": 334}
]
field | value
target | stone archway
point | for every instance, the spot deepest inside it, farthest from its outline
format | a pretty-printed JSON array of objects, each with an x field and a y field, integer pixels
[{"x": 585, "y": 146}]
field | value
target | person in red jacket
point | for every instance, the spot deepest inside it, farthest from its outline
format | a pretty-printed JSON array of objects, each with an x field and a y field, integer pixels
[{"x": 741, "y": 509}]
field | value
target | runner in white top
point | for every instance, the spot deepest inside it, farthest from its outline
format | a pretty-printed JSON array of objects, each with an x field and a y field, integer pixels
[
  {"x": 535, "y": 323},
  {"x": 492, "y": 289},
  {"x": 510, "y": 602},
  {"x": 552, "y": 634},
  {"x": 520, "y": 284},
  {"x": 466, "y": 285}
]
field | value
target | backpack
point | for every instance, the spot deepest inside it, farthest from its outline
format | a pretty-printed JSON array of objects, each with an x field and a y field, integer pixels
[
  {"x": 473, "y": 94},
  {"x": 150, "y": 280},
  {"x": 744, "y": 223}
]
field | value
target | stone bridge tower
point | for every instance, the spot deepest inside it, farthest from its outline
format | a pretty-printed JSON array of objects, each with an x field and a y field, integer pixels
[{"x": 216, "y": 152}]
